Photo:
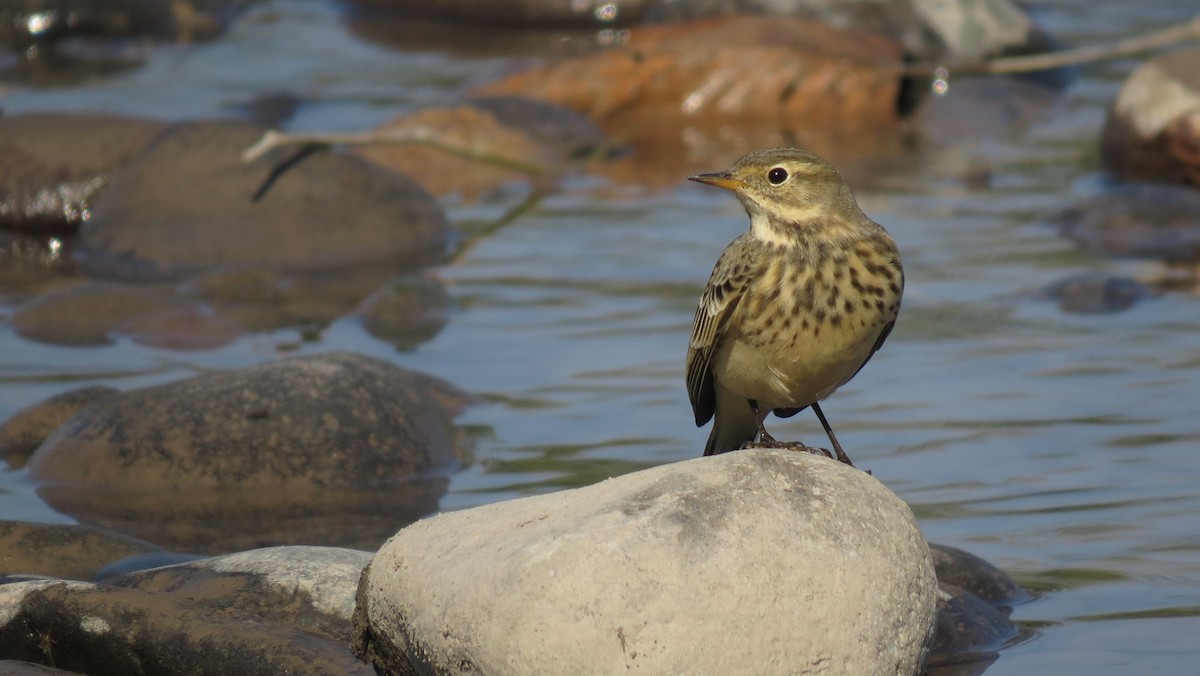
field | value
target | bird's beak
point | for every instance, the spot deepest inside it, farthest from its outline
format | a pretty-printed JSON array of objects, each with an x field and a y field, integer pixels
[{"x": 721, "y": 179}]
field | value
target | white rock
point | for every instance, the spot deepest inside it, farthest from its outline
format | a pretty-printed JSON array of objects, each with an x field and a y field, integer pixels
[{"x": 751, "y": 562}]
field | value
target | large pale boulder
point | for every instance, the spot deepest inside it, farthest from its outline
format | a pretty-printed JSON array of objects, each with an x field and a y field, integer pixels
[{"x": 762, "y": 561}]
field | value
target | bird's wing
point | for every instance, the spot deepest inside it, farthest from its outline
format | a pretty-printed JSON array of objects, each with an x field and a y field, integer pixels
[
  {"x": 717, "y": 305},
  {"x": 887, "y": 330}
]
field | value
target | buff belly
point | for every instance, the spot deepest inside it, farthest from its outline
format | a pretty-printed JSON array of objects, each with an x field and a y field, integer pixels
[{"x": 797, "y": 375}]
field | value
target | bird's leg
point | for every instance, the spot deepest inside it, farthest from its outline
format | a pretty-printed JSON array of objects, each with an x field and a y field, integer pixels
[
  {"x": 759, "y": 417},
  {"x": 841, "y": 455},
  {"x": 768, "y": 441}
]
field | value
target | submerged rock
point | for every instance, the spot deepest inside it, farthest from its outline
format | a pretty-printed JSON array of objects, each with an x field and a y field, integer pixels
[
  {"x": 1096, "y": 293},
  {"x": 88, "y": 313},
  {"x": 970, "y": 632},
  {"x": 406, "y": 312},
  {"x": 1137, "y": 221},
  {"x": 750, "y": 562},
  {"x": 62, "y": 550},
  {"x": 330, "y": 449}
]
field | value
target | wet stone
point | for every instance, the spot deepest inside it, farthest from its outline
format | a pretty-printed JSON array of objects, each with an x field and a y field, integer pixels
[
  {"x": 522, "y": 13},
  {"x": 1097, "y": 293},
  {"x": 187, "y": 205},
  {"x": 62, "y": 550},
  {"x": 958, "y": 29},
  {"x": 963, "y": 30},
  {"x": 183, "y": 328},
  {"x": 260, "y": 300},
  {"x": 969, "y": 633},
  {"x": 21, "y": 434},
  {"x": 1153, "y": 221},
  {"x": 513, "y": 140},
  {"x": 334, "y": 449},
  {"x": 16, "y": 668},
  {"x": 188, "y": 20},
  {"x": 32, "y": 264},
  {"x": 308, "y": 588},
  {"x": 779, "y": 71},
  {"x": 53, "y": 165},
  {"x": 87, "y": 313},
  {"x": 963, "y": 569},
  {"x": 103, "y": 629},
  {"x": 406, "y": 312},
  {"x": 57, "y": 42},
  {"x": 1152, "y": 132}
]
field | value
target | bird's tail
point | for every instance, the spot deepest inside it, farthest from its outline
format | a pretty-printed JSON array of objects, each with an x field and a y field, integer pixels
[{"x": 733, "y": 424}]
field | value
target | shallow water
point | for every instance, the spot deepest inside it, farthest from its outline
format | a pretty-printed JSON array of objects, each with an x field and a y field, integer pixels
[{"x": 1062, "y": 448}]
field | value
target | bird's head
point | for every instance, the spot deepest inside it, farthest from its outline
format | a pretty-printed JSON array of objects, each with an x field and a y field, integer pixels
[{"x": 786, "y": 187}]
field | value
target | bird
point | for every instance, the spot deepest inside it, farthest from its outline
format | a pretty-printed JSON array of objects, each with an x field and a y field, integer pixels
[{"x": 795, "y": 306}]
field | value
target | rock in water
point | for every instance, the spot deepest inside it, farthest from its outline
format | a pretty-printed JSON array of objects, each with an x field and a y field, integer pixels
[{"x": 760, "y": 561}]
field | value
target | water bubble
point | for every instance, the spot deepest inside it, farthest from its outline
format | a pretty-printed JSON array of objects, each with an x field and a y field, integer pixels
[
  {"x": 606, "y": 12},
  {"x": 941, "y": 81}
]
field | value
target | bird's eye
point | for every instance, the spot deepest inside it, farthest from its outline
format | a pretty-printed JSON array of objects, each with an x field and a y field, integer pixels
[{"x": 777, "y": 175}]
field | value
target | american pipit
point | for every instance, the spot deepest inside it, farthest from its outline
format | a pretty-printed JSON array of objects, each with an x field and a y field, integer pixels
[{"x": 794, "y": 307}]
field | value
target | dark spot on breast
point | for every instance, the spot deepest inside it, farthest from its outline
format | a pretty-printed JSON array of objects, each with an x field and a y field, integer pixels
[
  {"x": 819, "y": 315},
  {"x": 879, "y": 305},
  {"x": 894, "y": 287},
  {"x": 836, "y": 320},
  {"x": 848, "y": 307}
]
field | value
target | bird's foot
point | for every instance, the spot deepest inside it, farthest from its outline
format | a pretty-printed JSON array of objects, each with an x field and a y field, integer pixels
[{"x": 770, "y": 442}]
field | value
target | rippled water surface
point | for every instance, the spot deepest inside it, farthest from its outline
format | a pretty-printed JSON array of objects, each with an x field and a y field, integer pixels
[{"x": 1063, "y": 448}]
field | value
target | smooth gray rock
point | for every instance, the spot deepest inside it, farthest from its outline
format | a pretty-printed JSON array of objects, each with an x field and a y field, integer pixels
[{"x": 759, "y": 561}]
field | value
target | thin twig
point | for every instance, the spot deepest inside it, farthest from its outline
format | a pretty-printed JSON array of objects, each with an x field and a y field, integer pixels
[
  {"x": 425, "y": 136},
  {"x": 1068, "y": 57}
]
